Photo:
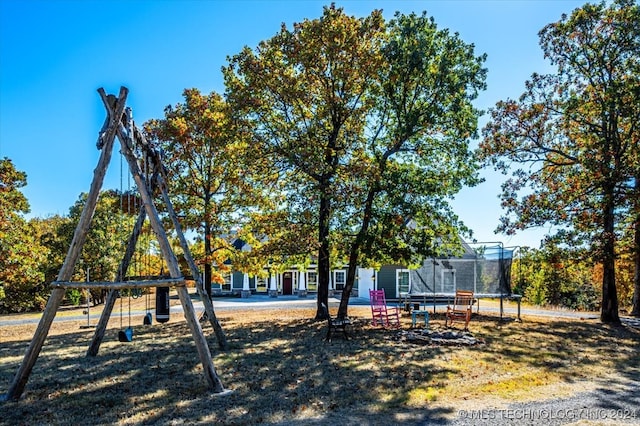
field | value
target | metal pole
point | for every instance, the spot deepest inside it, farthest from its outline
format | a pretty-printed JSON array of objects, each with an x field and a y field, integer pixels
[{"x": 88, "y": 311}]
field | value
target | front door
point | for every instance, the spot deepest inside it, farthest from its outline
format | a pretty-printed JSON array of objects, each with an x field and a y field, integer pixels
[{"x": 287, "y": 283}]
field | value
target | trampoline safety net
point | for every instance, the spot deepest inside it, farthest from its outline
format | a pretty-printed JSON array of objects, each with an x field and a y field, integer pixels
[{"x": 482, "y": 269}]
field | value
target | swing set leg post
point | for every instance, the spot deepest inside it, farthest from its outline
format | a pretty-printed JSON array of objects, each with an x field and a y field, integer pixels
[
  {"x": 102, "y": 323},
  {"x": 79, "y": 237},
  {"x": 22, "y": 376},
  {"x": 209, "y": 313},
  {"x": 201, "y": 343},
  {"x": 172, "y": 263},
  {"x": 101, "y": 328}
]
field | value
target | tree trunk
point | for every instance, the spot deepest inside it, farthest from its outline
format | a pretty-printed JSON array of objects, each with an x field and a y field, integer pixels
[
  {"x": 635, "y": 311},
  {"x": 366, "y": 221},
  {"x": 324, "y": 265},
  {"x": 354, "y": 255},
  {"x": 351, "y": 278},
  {"x": 207, "y": 259},
  {"x": 609, "y": 312}
]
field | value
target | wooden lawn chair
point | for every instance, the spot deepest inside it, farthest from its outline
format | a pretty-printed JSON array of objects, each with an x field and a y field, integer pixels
[
  {"x": 381, "y": 313},
  {"x": 335, "y": 324},
  {"x": 461, "y": 309}
]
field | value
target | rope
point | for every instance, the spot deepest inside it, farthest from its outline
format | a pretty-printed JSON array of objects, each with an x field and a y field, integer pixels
[
  {"x": 124, "y": 273},
  {"x": 125, "y": 216},
  {"x": 120, "y": 294}
]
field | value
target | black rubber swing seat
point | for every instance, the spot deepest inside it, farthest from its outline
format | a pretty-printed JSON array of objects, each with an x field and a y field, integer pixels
[{"x": 125, "y": 335}]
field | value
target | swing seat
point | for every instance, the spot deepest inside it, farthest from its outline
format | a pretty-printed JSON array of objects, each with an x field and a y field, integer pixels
[
  {"x": 148, "y": 319},
  {"x": 126, "y": 335}
]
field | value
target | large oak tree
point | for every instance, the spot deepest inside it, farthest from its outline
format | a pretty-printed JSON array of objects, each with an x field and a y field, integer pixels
[
  {"x": 370, "y": 125},
  {"x": 415, "y": 154},
  {"x": 573, "y": 137},
  {"x": 208, "y": 180},
  {"x": 304, "y": 94}
]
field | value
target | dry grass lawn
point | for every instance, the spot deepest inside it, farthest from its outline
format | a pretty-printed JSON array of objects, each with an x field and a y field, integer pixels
[{"x": 282, "y": 372}]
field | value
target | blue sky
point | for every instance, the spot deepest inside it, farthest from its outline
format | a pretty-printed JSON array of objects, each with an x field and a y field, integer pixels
[{"x": 55, "y": 54}]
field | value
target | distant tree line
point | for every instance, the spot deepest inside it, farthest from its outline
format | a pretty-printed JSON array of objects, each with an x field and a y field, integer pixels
[{"x": 32, "y": 251}]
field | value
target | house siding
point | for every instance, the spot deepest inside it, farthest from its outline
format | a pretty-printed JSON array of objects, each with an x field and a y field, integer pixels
[
  {"x": 237, "y": 283},
  {"x": 236, "y": 280},
  {"x": 387, "y": 280}
]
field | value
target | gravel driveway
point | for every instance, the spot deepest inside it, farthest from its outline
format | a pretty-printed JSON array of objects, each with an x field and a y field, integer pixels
[{"x": 601, "y": 406}]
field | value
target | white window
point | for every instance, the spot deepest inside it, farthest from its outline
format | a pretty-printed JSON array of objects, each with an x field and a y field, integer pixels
[
  {"x": 261, "y": 284},
  {"x": 403, "y": 281},
  {"x": 339, "y": 279},
  {"x": 312, "y": 281},
  {"x": 226, "y": 286}
]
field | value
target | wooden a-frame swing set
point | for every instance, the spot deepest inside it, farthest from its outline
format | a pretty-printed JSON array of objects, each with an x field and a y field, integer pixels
[{"x": 119, "y": 122}]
